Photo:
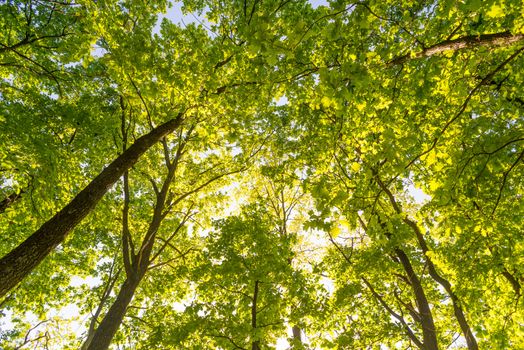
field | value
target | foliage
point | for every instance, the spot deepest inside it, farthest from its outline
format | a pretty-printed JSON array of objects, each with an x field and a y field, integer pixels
[{"x": 345, "y": 176}]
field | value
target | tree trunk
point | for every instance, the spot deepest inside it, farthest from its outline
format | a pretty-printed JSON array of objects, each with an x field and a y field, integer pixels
[
  {"x": 105, "y": 296},
  {"x": 457, "y": 309},
  {"x": 136, "y": 265},
  {"x": 255, "y": 345},
  {"x": 297, "y": 334},
  {"x": 429, "y": 334},
  {"x": 108, "y": 327},
  {"x": 18, "y": 263},
  {"x": 459, "y": 314}
]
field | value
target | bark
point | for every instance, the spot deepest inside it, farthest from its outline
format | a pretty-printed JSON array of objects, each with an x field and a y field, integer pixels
[
  {"x": 457, "y": 310},
  {"x": 297, "y": 334},
  {"x": 105, "y": 296},
  {"x": 256, "y": 343},
  {"x": 108, "y": 327},
  {"x": 139, "y": 263},
  {"x": 17, "y": 264},
  {"x": 136, "y": 265},
  {"x": 429, "y": 334},
  {"x": 465, "y": 42}
]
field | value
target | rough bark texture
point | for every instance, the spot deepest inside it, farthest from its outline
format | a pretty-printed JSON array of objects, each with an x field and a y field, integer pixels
[
  {"x": 108, "y": 327},
  {"x": 496, "y": 39},
  {"x": 18, "y": 263}
]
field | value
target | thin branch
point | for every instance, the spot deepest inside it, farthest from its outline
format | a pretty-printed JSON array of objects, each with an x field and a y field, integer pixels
[
  {"x": 28, "y": 41},
  {"x": 10, "y": 200},
  {"x": 169, "y": 261},
  {"x": 249, "y": 297},
  {"x": 103, "y": 299},
  {"x": 401, "y": 319},
  {"x": 504, "y": 179},
  {"x": 485, "y": 80},
  {"x": 228, "y": 338},
  {"x": 170, "y": 238},
  {"x": 149, "y": 120},
  {"x": 197, "y": 189}
]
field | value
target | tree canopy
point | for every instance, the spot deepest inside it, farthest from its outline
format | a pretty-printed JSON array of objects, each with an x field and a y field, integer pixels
[{"x": 274, "y": 175}]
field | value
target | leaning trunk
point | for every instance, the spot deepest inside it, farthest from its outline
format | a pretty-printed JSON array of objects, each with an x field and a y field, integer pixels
[
  {"x": 112, "y": 320},
  {"x": 17, "y": 264}
]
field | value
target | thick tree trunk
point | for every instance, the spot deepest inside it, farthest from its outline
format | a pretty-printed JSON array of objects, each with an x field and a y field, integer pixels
[
  {"x": 17, "y": 264},
  {"x": 108, "y": 327}
]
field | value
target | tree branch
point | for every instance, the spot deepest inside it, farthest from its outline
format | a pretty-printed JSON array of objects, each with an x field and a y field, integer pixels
[
  {"x": 401, "y": 319},
  {"x": 465, "y": 42}
]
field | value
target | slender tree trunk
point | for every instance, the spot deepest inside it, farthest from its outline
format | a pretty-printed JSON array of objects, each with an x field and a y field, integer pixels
[
  {"x": 297, "y": 334},
  {"x": 399, "y": 317},
  {"x": 428, "y": 326},
  {"x": 136, "y": 264},
  {"x": 457, "y": 309},
  {"x": 255, "y": 345},
  {"x": 429, "y": 333},
  {"x": 17, "y": 264},
  {"x": 108, "y": 327},
  {"x": 283, "y": 212},
  {"x": 426, "y": 318}
]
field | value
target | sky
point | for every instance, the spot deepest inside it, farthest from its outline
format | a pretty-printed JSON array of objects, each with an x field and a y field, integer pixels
[{"x": 175, "y": 15}]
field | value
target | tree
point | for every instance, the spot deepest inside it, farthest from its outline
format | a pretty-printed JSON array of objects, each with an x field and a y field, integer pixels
[{"x": 338, "y": 176}]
